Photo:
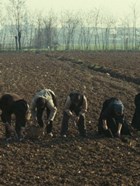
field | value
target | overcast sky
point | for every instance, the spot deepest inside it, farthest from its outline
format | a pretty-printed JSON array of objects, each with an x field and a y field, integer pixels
[{"x": 114, "y": 7}]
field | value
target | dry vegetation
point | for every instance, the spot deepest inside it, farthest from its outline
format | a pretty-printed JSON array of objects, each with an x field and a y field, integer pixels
[{"x": 72, "y": 161}]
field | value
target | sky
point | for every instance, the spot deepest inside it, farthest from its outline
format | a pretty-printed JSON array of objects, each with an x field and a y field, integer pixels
[{"x": 116, "y": 8}]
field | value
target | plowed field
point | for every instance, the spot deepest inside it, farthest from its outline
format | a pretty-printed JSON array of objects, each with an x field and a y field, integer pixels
[{"x": 93, "y": 161}]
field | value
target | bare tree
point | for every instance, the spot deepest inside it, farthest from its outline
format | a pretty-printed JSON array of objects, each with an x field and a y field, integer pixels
[
  {"x": 1, "y": 11},
  {"x": 50, "y": 31},
  {"x": 69, "y": 24},
  {"x": 134, "y": 23},
  {"x": 109, "y": 23},
  {"x": 38, "y": 37},
  {"x": 27, "y": 31},
  {"x": 86, "y": 31},
  {"x": 16, "y": 11},
  {"x": 2, "y": 31},
  {"x": 0, "y": 22},
  {"x": 125, "y": 32},
  {"x": 96, "y": 19},
  {"x": 81, "y": 33}
]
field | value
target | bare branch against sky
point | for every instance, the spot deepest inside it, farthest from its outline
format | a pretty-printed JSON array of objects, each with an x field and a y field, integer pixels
[{"x": 117, "y": 8}]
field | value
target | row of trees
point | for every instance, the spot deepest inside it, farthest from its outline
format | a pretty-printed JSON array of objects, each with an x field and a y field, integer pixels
[{"x": 69, "y": 31}]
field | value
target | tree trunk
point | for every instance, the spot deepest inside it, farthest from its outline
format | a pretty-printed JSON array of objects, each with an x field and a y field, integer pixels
[
  {"x": 19, "y": 39},
  {"x": 16, "y": 42}
]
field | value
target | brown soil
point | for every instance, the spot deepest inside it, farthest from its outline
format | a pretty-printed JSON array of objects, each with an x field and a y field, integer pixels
[{"x": 72, "y": 161}]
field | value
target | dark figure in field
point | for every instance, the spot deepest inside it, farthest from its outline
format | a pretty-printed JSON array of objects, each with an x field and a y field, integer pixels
[
  {"x": 112, "y": 121},
  {"x": 136, "y": 116},
  {"x": 44, "y": 101},
  {"x": 13, "y": 104},
  {"x": 76, "y": 103}
]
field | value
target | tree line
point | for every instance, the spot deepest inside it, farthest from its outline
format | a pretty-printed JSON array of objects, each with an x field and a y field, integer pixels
[{"x": 21, "y": 30}]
